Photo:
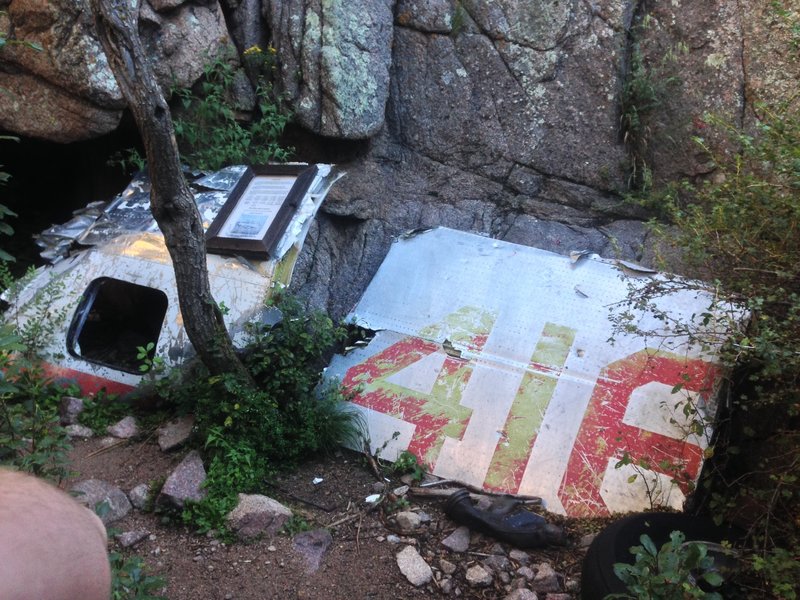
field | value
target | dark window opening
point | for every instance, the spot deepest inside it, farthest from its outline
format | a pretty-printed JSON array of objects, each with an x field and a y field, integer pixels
[{"x": 115, "y": 318}]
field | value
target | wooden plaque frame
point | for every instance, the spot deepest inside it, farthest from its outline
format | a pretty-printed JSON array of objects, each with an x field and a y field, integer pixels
[{"x": 250, "y": 223}]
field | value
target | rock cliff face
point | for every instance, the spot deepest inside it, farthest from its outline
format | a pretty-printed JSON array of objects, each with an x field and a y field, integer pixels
[
  {"x": 66, "y": 92},
  {"x": 336, "y": 58},
  {"x": 510, "y": 117}
]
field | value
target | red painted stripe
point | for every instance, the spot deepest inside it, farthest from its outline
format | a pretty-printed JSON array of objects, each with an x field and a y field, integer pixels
[{"x": 89, "y": 384}]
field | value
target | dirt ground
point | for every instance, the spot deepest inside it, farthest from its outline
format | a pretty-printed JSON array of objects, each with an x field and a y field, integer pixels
[{"x": 360, "y": 563}]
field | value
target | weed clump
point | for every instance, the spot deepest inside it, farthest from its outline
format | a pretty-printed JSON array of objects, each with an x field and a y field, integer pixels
[
  {"x": 250, "y": 434},
  {"x": 209, "y": 129},
  {"x": 740, "y": 231}
]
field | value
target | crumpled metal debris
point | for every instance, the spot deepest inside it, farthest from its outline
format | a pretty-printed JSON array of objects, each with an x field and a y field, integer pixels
[{"x": 129, "y": 211}]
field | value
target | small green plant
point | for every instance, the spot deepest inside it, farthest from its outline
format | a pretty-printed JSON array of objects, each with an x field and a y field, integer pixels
[
  {"x": 739, "y": 232},
  {"x": 669, "y": 573},
  {"x": 398, "y": 505},
  {"x": 209, "y": 131},
  {"x": 407, "y": 463},
  {"x": 5, "y": 228},
  {"x": 252, "y": 433},
  {"x": 234, "y": 467},
  {"x": 458, "y": 19},
  {"x": 40, "y": 317},
  {"x": 296, "y": 524},
  {"x": 130, "y": 581},
  {"x": 101, "y": 410},
  {"x": 644, "y": 91},
  {"x": 129, "y": 159},
  {"x": 781, "y": 570},
  {"x": 150, "y": 363},
  {"x": 31, "y": 437},
  {"x": 691, "y": 424}
]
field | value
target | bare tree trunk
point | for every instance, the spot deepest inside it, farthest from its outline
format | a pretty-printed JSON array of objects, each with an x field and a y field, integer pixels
[{"x": 171, "y": 201}]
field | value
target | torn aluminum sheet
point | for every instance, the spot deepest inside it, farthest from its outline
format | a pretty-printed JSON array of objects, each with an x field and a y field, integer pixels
[
  {"x": 130, "y": 212},
  {"x": 491, "y": 369},
  {"x": 105, "y": 301}
]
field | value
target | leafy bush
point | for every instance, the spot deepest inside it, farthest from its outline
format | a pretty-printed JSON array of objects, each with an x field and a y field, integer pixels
[
  {"x": 645, "y": 90},
  {"x": 102, "y": 410},
  {"x": 31, "y": 437},
  {"x": 740, "y": 230},
  {"x": 296, "y": 524},
  {"x": 669, "y": 573},
  {"x": 130, "y": 581},
  {"x": 251, "y": 433},
  {"x": 407, "y": 463},
  {"x": 208, "y": 130},
  {"x": 781, "y": 570}
]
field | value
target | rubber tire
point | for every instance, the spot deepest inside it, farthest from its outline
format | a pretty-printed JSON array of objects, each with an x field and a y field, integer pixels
[{"x": 612, "y": 545}]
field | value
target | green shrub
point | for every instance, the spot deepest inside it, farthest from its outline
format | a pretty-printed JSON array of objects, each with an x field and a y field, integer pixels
[
  {"x": 645, "y": 90},
  {"x": 781, "y": 570},
  {"x": 296, "y": 524},
  {"x": 101, "y": 411},
  {"x": 208, "y": 128},
  {"x": 740, "y": 231},
  {"x": 130, "y": 581},
  {"x": 31, "y": 437},
  {"x": 407, "y": 463},
  {"x": 252, "y": 433},
  {"x": 669, "y": 573}
]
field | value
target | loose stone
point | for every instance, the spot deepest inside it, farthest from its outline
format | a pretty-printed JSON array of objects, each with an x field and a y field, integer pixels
[
  {"x": 458, "y": 541},
  {"x": 413, "y": 566},
  {"x": 477, "y": 576}
]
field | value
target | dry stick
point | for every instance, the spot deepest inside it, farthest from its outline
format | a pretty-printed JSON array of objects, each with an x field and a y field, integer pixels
[
  {"x": 107, "y": 448},
  {"x": 349, "y": 518},
  {"x": 376, "y": 470},
  {"x": 120, "y": 443},
  {"x": 358, "y": 534},
  {"x": 303, "y": 500}
]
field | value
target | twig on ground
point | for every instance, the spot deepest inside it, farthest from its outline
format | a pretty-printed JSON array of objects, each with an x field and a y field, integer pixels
[
  {"x": 362, "y": 513},
  {"x": 373, "y": 464},
  {"x": 304, "y": 500},
  {"x": 107, "y": 448}
]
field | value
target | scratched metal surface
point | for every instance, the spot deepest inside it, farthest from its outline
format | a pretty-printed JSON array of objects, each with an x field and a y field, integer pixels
[
  {"x": 121, "y": 241},
  {"x": 129, "y": 212},
  {"x": 492, "y": 364}
]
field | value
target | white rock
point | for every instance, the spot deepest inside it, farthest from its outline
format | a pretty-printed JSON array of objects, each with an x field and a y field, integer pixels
[
  {"x": 408, "y": 520},
  {"x": 185, "y": 482},
  {"x": 175, "y": 433},
  {"x": 124, "y": 429},
  {"x": 80, "y": 431},
  {"x": 477, "y": 576},
  {"x": 139, "y": 495},
  {"x": 401, "y": 491},
  {"x": 93, "y": 492},
  {"x": 526, "y": 572},
  {"x": 447, "y": 567},
  {"x": 256, "y": 514},
  {"x": 520, "y": 556},
  {"x": 70, "y": 409},
  {"x": 130, "y": 538},
  {"x": 413, "y": 566}
]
